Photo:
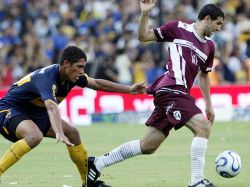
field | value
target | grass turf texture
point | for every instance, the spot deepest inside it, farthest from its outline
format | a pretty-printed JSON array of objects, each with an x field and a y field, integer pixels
[{"x": 48, "y": 165}]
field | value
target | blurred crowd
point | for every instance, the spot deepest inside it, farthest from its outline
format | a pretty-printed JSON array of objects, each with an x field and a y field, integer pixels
[{"x": 33, "y": 33}]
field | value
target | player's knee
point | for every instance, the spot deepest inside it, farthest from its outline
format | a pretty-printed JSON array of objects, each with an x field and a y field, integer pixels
[
  {"x": 73, "y": 135},
  {"x": 148, "y": 148},
  {"x": 75, "y": 132},
  {"x": 34, "y": 139},
  {"x": 149, "y": 151},
  {"x": 203, "y": 129}
]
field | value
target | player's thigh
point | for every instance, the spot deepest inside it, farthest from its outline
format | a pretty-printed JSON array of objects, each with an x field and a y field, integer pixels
[
  {"x": 175, "y": 108},
  {"x": 21, "y": 127},
  {"x": 17, "y": 126},
  {"x": 199, "y": 125},
  {"x": 28, "y": 130}
]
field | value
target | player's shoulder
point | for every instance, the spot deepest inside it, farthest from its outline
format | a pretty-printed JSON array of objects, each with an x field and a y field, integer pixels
[
  {"x": 45, "y": 75},
  {"x": 178, "y": 25},
  {"x": 48, "y": 71},
  {"x": 186, "y": 26}
]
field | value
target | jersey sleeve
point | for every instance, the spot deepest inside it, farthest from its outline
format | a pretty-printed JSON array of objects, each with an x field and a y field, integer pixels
[
  {"x": 82, "y": 81},
  {"x": 46, "y": 88},
  {"x": 207, "y": 67},
  {"x": 166, "y": 32}
]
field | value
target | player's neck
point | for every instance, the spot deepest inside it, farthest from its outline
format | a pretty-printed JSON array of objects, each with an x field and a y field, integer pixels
[
  {"x": 62, "y": 75},
  {"x": 199, "y": 29}
]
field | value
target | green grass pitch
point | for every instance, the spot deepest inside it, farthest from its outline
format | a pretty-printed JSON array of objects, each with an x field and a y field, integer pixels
[{"x": 48, "y": 165}]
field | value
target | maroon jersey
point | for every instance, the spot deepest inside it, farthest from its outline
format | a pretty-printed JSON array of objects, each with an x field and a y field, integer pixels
[{"x": 187, "y": 54}]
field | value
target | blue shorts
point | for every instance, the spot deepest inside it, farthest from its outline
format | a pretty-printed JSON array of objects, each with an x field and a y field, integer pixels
[{"x": 11, "y": 118}]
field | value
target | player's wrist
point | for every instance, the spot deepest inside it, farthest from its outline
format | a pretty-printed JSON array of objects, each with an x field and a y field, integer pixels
[{"x": 145, "y": 13}]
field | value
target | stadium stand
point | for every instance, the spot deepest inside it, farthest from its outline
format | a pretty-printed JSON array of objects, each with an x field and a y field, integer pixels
[{"x": 32, "y": 34}]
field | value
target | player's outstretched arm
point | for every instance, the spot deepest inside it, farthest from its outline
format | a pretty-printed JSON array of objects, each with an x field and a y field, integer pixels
[
  {"x": 55, "y": 121},
  {"x": 108, "y": 86},
  {"x": 144, "y": 33}
]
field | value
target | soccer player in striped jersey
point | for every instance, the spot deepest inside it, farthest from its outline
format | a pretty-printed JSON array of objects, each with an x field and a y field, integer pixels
[
  {"x": 29, "y": 110},
  {"x": 190, "y": 54}
]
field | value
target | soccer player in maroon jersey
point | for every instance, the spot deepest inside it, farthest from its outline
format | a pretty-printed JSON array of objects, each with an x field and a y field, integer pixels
[{"x": 190, "y": 53}]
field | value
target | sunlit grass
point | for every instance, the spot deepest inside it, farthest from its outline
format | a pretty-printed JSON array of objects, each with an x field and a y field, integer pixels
[{"x": 48, "y": 165}]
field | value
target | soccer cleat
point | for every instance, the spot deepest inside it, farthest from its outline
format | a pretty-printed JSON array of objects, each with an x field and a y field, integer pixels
[
  {"x": 99, "y": 183},
  {"x": 203, "y": 183},
  {"x": 93, "y": 173}
]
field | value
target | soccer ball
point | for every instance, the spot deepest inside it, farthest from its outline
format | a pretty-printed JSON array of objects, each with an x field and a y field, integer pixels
[{"x": 228, "y": 164}]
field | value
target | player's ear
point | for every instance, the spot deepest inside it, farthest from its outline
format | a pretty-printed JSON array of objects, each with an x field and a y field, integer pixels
[
  {"x": 207, "y": 18},
  {"x": 66, "y": 63}
]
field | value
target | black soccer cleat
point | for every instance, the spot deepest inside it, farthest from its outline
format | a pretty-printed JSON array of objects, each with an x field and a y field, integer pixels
[
  {"x": 203, "y": 183},
  {"x": 93, "y": 173},
  {"x": 99, "y": 183}
]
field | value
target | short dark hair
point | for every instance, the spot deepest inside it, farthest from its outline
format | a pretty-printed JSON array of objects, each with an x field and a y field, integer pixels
[
  {"x": 73, "y": 54},
  {"x": 210, "y": 10}
]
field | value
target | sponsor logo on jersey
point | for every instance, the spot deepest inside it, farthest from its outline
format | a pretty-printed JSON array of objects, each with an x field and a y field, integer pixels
[{"x": 54, "y": 91}]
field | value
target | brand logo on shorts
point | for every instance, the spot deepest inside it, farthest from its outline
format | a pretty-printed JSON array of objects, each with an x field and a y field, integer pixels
[{"x": 177, "y": 115}]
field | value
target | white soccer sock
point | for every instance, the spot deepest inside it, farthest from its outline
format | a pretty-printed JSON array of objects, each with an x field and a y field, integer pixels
[
  {"x": 124, "y": 151},
  {"x": 198, "y": 151}
]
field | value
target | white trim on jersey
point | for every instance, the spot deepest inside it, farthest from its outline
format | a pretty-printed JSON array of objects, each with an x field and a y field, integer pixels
[
  {"x": 190, "y": 45},
  {"x": 160, "y": 33},
  {"x": 175, "y": 57},
  {"x": 164, "y": 89},
  {"x": 187, "y": 27},
  {"x": 183, "y": 66},
  {"x": 190, "y": 28}
]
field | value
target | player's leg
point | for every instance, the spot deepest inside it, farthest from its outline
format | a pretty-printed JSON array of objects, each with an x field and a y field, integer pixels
[
  {"x": 158, "y": 130},
  {"x": 78, "y": 153},
  {"x": 26, "y": 136},
  {"x": 201, "y": 129},
  {"x": 181, "y": 109},
  {"x": 147, "y": 145}
]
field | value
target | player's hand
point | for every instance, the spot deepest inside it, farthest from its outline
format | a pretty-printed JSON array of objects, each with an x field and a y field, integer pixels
[
  {"x": 147, "y": 5},
  {"x": 210, "y": 114},
  {"x": 62, "y": 138},
  {"x": 138, "y": 88}
]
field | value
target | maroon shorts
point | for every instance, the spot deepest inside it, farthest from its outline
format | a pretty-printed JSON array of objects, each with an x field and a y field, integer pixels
[{"x": 173, "y": 108}]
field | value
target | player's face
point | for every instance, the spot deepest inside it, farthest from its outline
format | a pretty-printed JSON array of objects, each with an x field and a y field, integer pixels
[
  {"x": 213, "y": 26},
  {"x": 74, "y": 71}
]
